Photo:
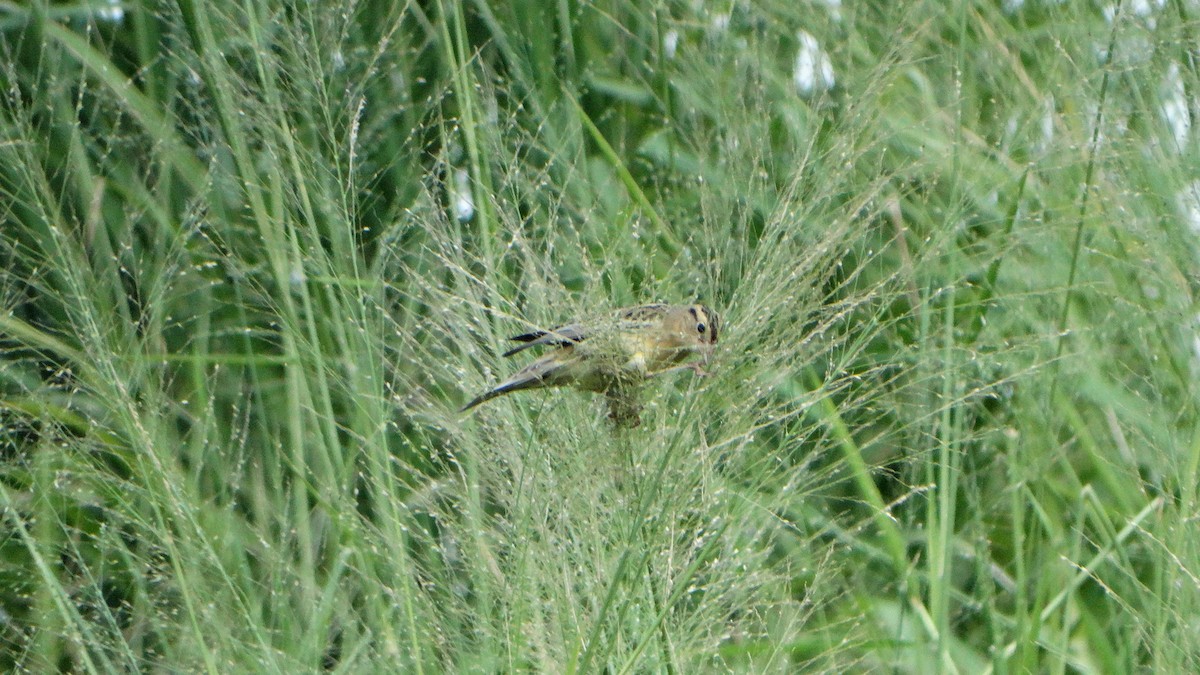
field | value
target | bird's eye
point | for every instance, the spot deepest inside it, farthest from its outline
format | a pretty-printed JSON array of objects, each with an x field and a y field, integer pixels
[{"x": 700, "y": 328}]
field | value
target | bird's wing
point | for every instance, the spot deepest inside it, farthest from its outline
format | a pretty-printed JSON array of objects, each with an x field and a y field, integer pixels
[
  {"x": 630, "y": 318},
  {"x": 563, "y": 335}
]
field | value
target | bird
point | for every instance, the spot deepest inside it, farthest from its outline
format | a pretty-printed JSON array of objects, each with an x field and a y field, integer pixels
[{"x": 613, "y": 355}]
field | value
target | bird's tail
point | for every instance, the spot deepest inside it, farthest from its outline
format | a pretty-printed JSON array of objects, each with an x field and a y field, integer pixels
[
  {"x": 482, "y": 398},
  {"x": 546, "y": 371},
  {"x": 512, "y": 385}
]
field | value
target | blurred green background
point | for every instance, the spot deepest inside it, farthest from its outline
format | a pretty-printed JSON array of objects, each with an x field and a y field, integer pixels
[{"x": 255, "y": 255}]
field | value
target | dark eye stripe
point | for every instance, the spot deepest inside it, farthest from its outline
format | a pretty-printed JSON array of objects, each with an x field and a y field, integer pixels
[{"x": 714, "y": 322}]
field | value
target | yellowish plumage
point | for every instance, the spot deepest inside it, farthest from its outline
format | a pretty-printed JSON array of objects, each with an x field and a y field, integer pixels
[{"x": 613, "y": 355}]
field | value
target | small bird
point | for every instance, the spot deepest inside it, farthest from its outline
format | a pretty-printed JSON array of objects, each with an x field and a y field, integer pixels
[{"x": 612, "y": 356}]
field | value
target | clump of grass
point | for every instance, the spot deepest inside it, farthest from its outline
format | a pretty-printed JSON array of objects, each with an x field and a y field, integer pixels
[{"x": 250, "y": 277}]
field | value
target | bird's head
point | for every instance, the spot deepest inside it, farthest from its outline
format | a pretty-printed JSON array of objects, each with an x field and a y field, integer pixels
[{"x": 694, "y": 327}]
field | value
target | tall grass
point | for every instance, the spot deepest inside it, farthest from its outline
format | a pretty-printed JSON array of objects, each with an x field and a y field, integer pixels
[{"x": 256, "y": 257}]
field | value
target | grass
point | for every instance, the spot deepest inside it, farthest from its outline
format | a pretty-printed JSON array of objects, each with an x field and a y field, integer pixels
[{"x": 255, "y": 257}]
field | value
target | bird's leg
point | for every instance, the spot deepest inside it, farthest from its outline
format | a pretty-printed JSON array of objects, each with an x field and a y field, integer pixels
[{"x": 623, "y": 407}]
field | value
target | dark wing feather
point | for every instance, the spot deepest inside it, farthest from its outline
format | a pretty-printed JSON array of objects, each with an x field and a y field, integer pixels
[
  {"x": 573, "y": 333},
  {"x": 563, "y": 335}
]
